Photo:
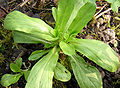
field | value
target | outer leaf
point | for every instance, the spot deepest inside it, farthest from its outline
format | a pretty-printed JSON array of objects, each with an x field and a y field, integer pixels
[
  {"x": 61, "y": 73},
  {"x": 37, "y": 54},
  {"x": 9, "y": 79},
  {"x": 54, "y": 12},
  {"x": 98, "y": 52},
  {"x": 24, "y": 24},
  {"x": 15, "y": 67},
  {"x": 19, "y": 62},
  {"x": 86, "y": 76},
  {"x": 42, "y": 72},
  {"x": 68, "y": 49}
]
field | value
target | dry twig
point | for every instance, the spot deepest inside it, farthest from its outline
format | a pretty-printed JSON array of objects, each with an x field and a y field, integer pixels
[
  {"x": 103, "y": 13},
  {"x": 26, "y": 1},
  {"x": 100, "y": 10}
]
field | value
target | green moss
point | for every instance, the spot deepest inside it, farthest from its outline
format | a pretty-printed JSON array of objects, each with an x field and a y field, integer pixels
[
  {"x": 117, "y": 82},
  {"x": 5, "y": 42},
  {"x": 1, "y": 58}
]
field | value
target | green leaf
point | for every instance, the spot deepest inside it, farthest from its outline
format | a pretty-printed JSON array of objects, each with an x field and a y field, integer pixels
[
  {"x": 9, "y": 79},
  {"x": 21, "y": 37},
  {"x": 15, "y": 67},
  {"x": 18, "y": 62},
  {"x": 76, "y": 15},
  {"x": 61, "y": 73},
  {"x": 115, "y": 5},
  {"x": 98, "y": 52},
  {"x": 37, "y": 54},
  {"x": 86, "y": 76},
  {"x": 110, "y": 1},
  {"x": 26, "y": 74},
  {"x": 32, "y": 30},
  {"x": 89, "y": 1},
  {"x": 42, "y": 72},
  {"x": 84, "y": 15},
  {"x": 54, "y": 12},
  {"x": 66, "y": 7},
  {"x": 67, "y": 49}
]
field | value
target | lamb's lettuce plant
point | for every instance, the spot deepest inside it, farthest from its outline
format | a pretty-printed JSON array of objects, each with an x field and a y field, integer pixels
[
  {"x": 8, "y": 79},
  {"x": 70, "y": 16}
]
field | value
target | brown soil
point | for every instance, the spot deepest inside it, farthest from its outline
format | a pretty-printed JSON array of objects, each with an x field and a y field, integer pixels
[{"x": 96, "y": 29}]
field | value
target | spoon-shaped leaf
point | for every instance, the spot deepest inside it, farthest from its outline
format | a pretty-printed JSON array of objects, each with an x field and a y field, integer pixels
[
  {"x": 61, "y": 73},
  {"x": 19, "y": 62},
  {"x": 54, "y": 12},
  {"x": 42, "y": 72},
  {"x": 37, "y": 54},
  {"x": 86, "y": 76},
  {"x": 65, "y": 8},
  {"x": 28, "y": 29},
  {"x": 9, "y": 79},
  {"x": 67, "y": 49},
  {"x": 84, "y": 15},
  {"x": 76, "y": 15},
  {"x": 15, "y": 67},
  {"x": 98, "y": 52}
]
